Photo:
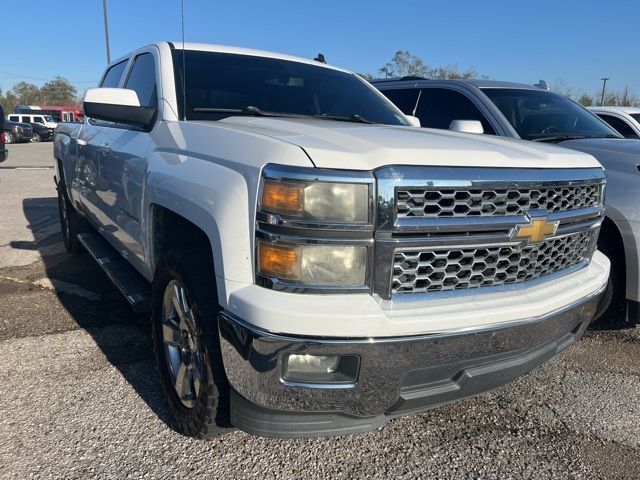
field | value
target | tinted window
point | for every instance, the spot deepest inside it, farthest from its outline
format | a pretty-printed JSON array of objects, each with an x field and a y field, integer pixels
[
  {"x": 636, "y": 117},
  {"x": 404, "y": 99},
  {"x": 228, "y": 81},
  {"x": 438, "y": 107},
  {"x": 14, "y": 118},
  {"x": 38, "y": 119},
  {"x": 142, "y": 79},
  {"x": 539, "y": 115},
  {"x": 619, "y": 125},
  {"x": 114, "y": 74}
]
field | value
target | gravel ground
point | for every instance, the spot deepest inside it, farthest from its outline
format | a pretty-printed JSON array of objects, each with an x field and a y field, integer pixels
[{"x": 80, "y": 398}]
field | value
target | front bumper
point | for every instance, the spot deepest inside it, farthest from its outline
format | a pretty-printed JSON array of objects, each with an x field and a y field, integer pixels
[{"x": 397, "y": 375}]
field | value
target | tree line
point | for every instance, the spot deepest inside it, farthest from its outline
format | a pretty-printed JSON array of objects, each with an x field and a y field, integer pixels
[
  {"x": 58, "y": 91},
  {"x": 405, "y": 63}
]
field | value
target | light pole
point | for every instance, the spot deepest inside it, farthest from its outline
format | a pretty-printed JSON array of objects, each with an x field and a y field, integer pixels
[
  {"x": 604, "y": 84},
  {"x": 106, "y": 30}
]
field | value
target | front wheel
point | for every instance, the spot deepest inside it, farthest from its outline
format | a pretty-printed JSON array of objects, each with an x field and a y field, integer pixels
[
  {"x": 35, "y": 138},
  {"x": 186, "y": 344}
]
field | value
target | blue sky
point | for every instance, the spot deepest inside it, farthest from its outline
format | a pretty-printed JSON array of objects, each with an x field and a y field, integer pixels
[{"x": 575, "y": 41}]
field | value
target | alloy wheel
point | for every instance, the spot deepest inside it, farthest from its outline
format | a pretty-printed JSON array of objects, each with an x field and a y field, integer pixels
[{"x": 182, "y": 346}]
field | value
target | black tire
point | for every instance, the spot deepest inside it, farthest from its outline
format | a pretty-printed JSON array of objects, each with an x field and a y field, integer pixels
[
  {"x": 9, "y": 137},
  {"x": 208, "y": 416},
  {"x": 36, "y": 138},
  {"x": 71, "y": 223},
  {"x": 611, "y": 304}
]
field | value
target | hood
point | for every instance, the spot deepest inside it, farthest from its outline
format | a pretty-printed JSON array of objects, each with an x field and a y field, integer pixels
[
  {"x": 609, "y": 145},
  {"x": 344, "y": 145}
]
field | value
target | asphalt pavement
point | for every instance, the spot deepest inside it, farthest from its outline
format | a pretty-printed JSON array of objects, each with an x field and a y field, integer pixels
[{"x": 80, "y": 397}]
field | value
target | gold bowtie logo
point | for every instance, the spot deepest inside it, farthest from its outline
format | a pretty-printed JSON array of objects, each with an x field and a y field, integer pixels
[{"x": 536, "y": 231}]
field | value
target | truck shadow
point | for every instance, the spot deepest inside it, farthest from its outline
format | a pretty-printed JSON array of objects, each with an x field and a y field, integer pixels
[{"x": 95, "y": 305}]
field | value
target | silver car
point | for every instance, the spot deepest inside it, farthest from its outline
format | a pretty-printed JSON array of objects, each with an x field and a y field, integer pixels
[{"x": 532, "y": 112}]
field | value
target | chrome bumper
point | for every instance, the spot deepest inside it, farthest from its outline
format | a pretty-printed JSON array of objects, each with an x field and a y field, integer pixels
[{"x": 397, "y": 375}]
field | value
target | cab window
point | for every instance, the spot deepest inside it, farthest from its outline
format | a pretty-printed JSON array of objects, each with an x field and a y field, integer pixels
[
  {"x": 620, "y": 125},
  {"x": 14, "y": 118},
  {"x": 438, "y": 107},
  {"x": 142, "y": 79},
  {"x": 113, "y": 75},
  {"x": 403, "y": 98},
  {"x": 38, "y": 120}
]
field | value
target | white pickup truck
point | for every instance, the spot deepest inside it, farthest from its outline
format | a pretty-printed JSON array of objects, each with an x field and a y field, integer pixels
[{"x": 313, "y": 264}]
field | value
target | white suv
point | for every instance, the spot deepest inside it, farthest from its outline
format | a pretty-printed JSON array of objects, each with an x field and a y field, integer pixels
[
  {"x": 625, "y": 120},
  {"x": 46, "y": 120}
]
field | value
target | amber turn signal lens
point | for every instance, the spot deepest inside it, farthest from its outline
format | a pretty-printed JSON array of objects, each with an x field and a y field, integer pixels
[
  {"x": 278, "y": 261},
  {"x": 282, "y": 197}
]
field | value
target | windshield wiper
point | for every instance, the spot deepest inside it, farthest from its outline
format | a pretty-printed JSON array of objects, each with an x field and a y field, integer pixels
[
  {"x": 559, "y": 138},
  {"x": 353, "y": 118},
  {"x": 248, "y": 110}
]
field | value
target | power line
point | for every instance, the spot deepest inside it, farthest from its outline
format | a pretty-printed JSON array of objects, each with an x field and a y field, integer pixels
[{"x": 43, "y": 79}]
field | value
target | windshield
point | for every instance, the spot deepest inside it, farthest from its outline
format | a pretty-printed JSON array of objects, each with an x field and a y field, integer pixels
[
  {"x": 219, "y": 85},
  {"x": 540, "y": 115}
]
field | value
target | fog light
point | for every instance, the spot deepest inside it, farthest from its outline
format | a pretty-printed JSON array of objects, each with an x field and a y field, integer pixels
[
  {"x": 312, "y": 363},
  {"x": 321, "y": 371}
]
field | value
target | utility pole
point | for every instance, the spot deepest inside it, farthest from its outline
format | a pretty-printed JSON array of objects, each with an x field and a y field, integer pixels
[
  {"x": 604, "y": 84},
  {"x": 106, "y": 30}
]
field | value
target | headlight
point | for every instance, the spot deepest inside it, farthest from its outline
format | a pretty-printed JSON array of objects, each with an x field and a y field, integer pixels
[
  {"x": 319, "y": 265},
  {"x": 314, "y": 229},
  {"x": 319, "y": 201}
]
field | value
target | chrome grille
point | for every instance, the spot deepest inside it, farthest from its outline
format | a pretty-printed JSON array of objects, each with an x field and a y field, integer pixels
[
  {"x": 424, "y": 202},
  {"x": 422, "y": 270}
]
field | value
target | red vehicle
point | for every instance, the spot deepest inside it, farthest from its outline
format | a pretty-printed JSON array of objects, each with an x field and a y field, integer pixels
[{"x": 65, "y": 113}]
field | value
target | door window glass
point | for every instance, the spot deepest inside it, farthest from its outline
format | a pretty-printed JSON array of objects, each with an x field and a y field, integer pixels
[
  {"x": 112, "y": 78},
  {"x": 620, "y": 125},
  {"x": 438, "y": 107},
  {"x": 142, "y": 79},
  {"x": 404, "y": 98}
]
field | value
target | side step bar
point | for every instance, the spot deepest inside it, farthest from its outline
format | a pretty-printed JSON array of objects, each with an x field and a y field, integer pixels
[{"x": 135, "y": 288}]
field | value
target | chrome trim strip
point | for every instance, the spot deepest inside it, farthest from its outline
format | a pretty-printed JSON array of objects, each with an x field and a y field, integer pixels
[
  {"x": 314, "y": 174},
  {"x": 319, "y": 386}
]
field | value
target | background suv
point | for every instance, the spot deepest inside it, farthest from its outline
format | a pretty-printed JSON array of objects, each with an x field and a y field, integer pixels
[
  {"x": 626, "y": 120},
  {"x": 534, "y": 113}
]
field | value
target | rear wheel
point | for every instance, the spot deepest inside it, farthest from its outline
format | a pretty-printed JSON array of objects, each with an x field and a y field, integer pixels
[
  {"x": 186, "y": 343},
  {"x": 71, "y": 223},
  {"x": 36, "y": 138},
  {"x": 9, "y": 137}
]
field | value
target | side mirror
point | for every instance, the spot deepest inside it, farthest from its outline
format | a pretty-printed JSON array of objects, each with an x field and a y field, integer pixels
[
  {"x": 414, "y": 121},
  {"x": 466, "y": 126},
  {"x": 118, "y": 105}
]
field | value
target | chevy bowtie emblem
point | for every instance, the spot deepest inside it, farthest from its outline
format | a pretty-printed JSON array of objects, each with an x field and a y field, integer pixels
[{"x": 536, "y": 231}]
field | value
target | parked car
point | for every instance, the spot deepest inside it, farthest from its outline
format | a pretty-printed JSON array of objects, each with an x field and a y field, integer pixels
[
  {"x": 625, "y": 120},
  {"x": 536, "y": 114},
  {"x": 17, "y": 132},
  {"x": 313, "y": 264},
  {"x": 40, "y": 133},
  {"x": 42, "y": 119},
  {"x": 3, "y": 151}
]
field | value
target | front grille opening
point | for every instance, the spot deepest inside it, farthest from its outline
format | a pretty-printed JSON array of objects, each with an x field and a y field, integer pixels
[
  {"x": 442, "y": 203},
  {"x": 424, "y": 270}
]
